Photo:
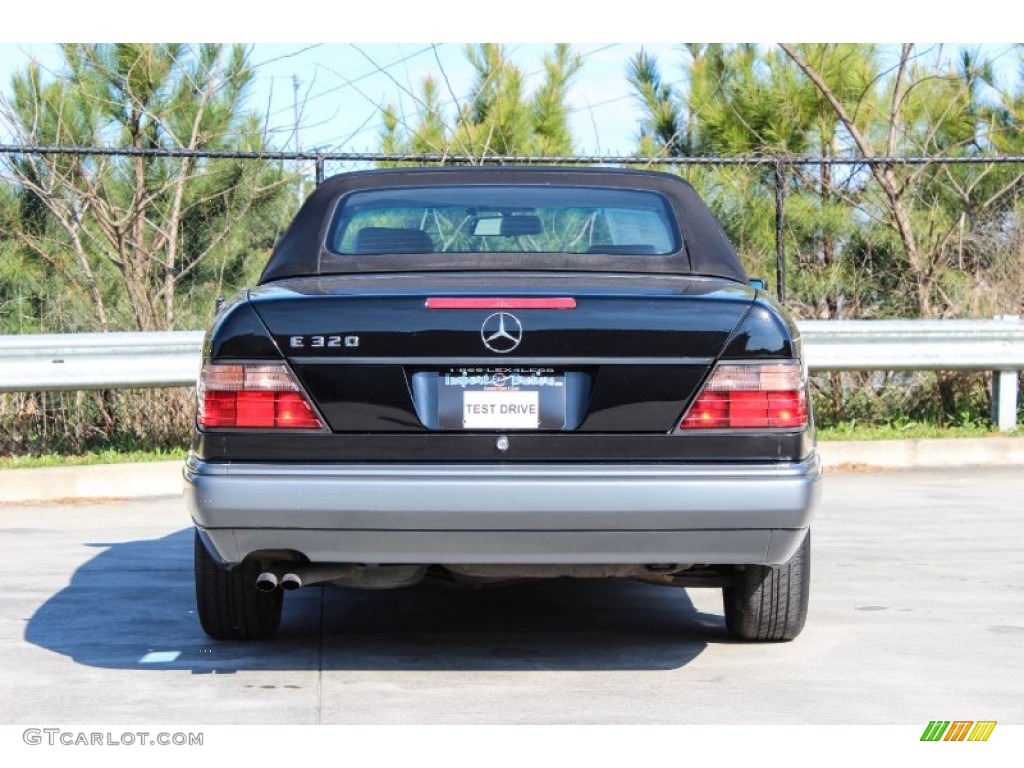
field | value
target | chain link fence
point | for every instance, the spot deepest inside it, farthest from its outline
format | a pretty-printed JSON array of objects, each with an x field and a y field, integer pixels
[{"x": 817, "y": 228}]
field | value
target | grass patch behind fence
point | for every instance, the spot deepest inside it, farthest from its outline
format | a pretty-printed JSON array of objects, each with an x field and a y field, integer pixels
[{"x": 106, "y": 456}]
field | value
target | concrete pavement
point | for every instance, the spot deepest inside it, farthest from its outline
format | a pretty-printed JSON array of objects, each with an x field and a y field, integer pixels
[{"x": 917, "y": 612}]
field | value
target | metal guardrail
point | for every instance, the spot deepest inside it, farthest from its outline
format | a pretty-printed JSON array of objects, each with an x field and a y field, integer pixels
[
  {"x": 914, "y": 345},
  {"x": 924, "y": 345},
  {"x": 48, "y": 362},
  {"x": 129, "y": 360}
]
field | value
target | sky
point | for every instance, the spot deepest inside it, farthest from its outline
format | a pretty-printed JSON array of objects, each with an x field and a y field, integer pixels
[{"x": 343, "y": 85}]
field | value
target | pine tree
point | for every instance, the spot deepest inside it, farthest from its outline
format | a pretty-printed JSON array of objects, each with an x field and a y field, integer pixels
[
  {"x": 133, "y": 234},
  {"x": 498, "y": 118}
]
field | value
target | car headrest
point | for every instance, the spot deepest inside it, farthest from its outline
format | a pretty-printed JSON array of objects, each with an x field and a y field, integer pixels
[
  {"x": 371, "y": 240},
  {"x": 626, "y": 249}
]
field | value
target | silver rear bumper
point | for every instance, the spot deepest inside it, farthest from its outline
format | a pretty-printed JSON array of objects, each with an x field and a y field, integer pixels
[{"x": 447, "y": 514}]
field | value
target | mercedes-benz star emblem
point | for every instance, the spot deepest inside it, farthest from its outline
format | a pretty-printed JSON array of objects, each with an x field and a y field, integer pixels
[{"x": 501, "y": 332}]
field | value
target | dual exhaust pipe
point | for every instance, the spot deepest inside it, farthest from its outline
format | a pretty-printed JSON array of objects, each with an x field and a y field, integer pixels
[
  {"x": 302, "y": 575},
  {"x": 268, "y": 581}
]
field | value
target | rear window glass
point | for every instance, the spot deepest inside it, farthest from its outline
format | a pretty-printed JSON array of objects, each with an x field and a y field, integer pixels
[{"x": 504, "y": 219}]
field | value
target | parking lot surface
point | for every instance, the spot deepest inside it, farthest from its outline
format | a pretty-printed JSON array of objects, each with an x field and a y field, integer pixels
[{"x": 917, "y": 613}]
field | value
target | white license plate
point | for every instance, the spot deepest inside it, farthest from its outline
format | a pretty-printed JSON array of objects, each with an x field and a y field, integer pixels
[{"x": 500, "y": 410}]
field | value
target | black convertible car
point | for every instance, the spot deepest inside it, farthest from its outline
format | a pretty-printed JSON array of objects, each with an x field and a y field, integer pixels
[{"x": 486, "y": 374}]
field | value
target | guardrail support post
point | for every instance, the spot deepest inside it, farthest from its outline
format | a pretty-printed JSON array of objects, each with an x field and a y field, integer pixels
[
  {"x": 1005, "y": 392},
  {"x": 1004, "y": 400}
]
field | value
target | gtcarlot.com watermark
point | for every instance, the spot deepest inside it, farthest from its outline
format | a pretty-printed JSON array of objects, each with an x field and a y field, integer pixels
[{"x": 59, "y": 737}]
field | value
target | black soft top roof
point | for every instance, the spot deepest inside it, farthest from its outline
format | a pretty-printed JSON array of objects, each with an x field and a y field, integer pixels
[{"x": 706, "y": 249}]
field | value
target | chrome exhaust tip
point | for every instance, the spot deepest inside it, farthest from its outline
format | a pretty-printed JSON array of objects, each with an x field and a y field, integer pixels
[
  {"x": 290, "y": 582},
  {"x": 266, "y": 582}
]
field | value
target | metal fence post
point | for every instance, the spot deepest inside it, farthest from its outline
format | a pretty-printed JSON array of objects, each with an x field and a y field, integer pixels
[
  {"x": 319, "y": 169},
  {"x": 780, "y": 247},
  {"x": 1005, "y": 391}
]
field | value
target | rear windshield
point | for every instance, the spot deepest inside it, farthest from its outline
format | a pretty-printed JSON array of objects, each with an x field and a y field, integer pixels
[{"x": 504, "y": 219}]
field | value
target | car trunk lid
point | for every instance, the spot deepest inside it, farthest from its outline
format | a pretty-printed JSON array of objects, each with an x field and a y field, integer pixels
[{"x": 579, "y": 352}]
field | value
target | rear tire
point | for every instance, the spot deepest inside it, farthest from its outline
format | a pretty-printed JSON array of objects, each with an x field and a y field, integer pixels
[
  {"x": 228, "y": 603},
  {"x": 769, "y": 602}
]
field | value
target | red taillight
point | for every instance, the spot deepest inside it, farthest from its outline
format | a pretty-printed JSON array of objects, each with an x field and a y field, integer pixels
[
  {"x": 292, "y": 411},
  {"x": 761, "y": 396},
  {"x": 254, "y": 397}
]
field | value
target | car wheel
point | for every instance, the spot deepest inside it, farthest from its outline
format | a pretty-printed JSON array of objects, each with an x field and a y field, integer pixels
[
  {"x": 769, "y": 602},
  {"x": 228, "y": 603}
]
